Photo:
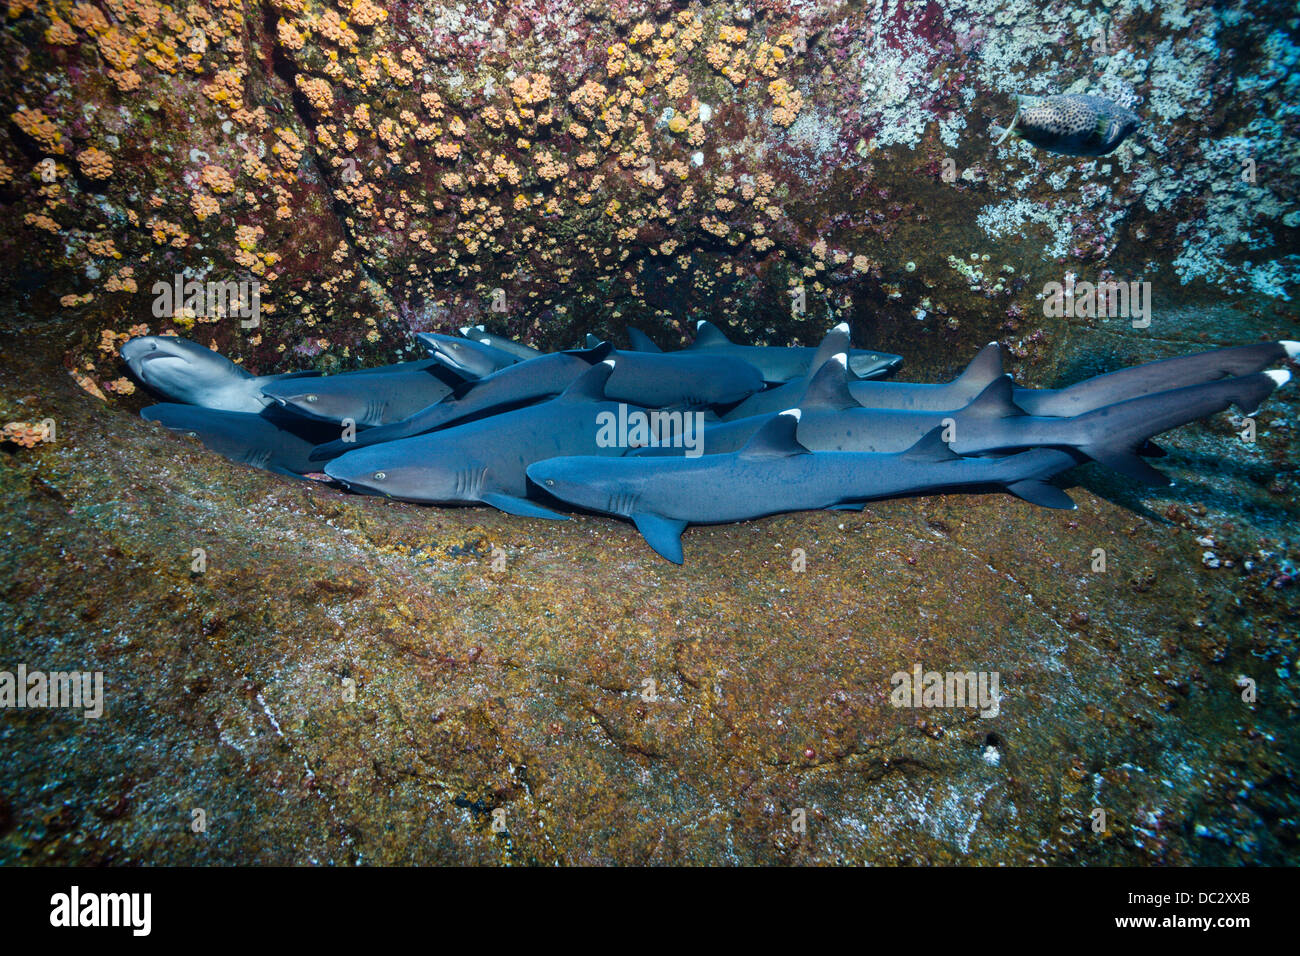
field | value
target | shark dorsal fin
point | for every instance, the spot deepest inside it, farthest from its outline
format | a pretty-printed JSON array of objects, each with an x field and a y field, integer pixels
[
  {"x": 835, "y": 342},
  {"x": 778, "y": 438},
  {"x": 591, "y": 341},
  {"x": 983, "y": 368},
  {"x": 641, "y": 342},
  {"x": 829, "y": 388},
  {"x": 590, "y": 385},
  {"x": 706, "y": 333},
  {"x": 931, "y": 447},
  {"x": 995, "y": 401},
  {"x": 597, "y": 353}
]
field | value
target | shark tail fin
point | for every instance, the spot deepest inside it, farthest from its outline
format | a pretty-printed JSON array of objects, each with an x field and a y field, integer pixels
[
  {"x": 829, "y": 387},
  {"x": 590, "y": 385},
  {"x": 931, "y": 447},
  {"x": 641, "y": 342},
  {"x": 706, "y": 333},
  {"x": 777, "y": 438}
]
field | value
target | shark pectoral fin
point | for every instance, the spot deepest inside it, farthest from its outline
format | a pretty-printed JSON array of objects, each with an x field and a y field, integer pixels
[
  {"x": 706, "y": 333},
  {"x": 848, "y": 506},
  {"x": 518, "y": 506},
  {"x": 1042, "y": 494},
  {"x": 1150, "y": 449},
  {"x": 641, "y": 342},
  {"x": 1126, "y": 463},
  {"x": 662, "y": 534},
  {"x": 284, "y": 472}
]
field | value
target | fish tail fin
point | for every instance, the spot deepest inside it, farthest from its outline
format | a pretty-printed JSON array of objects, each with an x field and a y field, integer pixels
[{"x": 1010, "y": 129}]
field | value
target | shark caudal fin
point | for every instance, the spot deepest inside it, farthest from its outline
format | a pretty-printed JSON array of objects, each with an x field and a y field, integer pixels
[
  {"x": 708, "y": 334},
  {"x": 778, "y": 438},
  {"x": 996, "y": 401},
  {"x": 835, "y": 342},
  {"x": 641, "y": 342},
  {"x": 590, "y": 385},
  {"x": 983, "y": 369},
  {"x": 1116, "y": 434},
  {"x": 662, "y": 534},
  {"x": 829, "y": 387}
]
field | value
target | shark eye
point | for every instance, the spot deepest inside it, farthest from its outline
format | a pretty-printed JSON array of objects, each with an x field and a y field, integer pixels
[
  {"x": 380, "y": 476},
  {"x": 311, "y": 398},
  {"x": 551, "y": 482},
  {"x": 193, "y": 434}
]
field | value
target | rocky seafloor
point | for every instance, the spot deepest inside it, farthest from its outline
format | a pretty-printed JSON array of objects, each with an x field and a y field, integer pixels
[{"x": 353, "y": 680}]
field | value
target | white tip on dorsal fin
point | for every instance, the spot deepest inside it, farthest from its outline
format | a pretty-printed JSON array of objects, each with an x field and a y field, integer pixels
[
  {"x": 777, "y": 438},
  {"x": 842, "y": 327},
  {"x": 706, "y": 333},
  {"x": 829, "y": 386},
  {"x": 464, "y": 330},
  {"x": 609, "y": 362},
  {"x": 1292, "y": 348},
  {"x": 1279, "y": 376}
]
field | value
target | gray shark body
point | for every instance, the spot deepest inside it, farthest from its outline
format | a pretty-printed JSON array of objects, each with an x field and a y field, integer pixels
[
  {"x": 267, "y": 440},
  {"x": 466, "y": 356},
  {"x": 773, "y": 473},
  {"x": 476, "y": 333},
  {"x": 832, "y": 421},
  {"x": 484, "y": 461},
  {"x": 776, "y": 363},
  {"x": 375, "y": 398},
  {"x": 1084, "y": 396},
  {"x": 184, "y": 371},
  {"x": 648, "y": 380}
]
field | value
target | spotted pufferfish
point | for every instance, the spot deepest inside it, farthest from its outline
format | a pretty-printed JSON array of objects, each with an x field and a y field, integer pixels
[{"x": 1073, "y": 124}]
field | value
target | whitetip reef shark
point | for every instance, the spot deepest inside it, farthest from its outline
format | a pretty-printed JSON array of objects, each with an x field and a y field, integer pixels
[
  {"x": 484, "y": 461},
  {"x": 774, "y": 473}
]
